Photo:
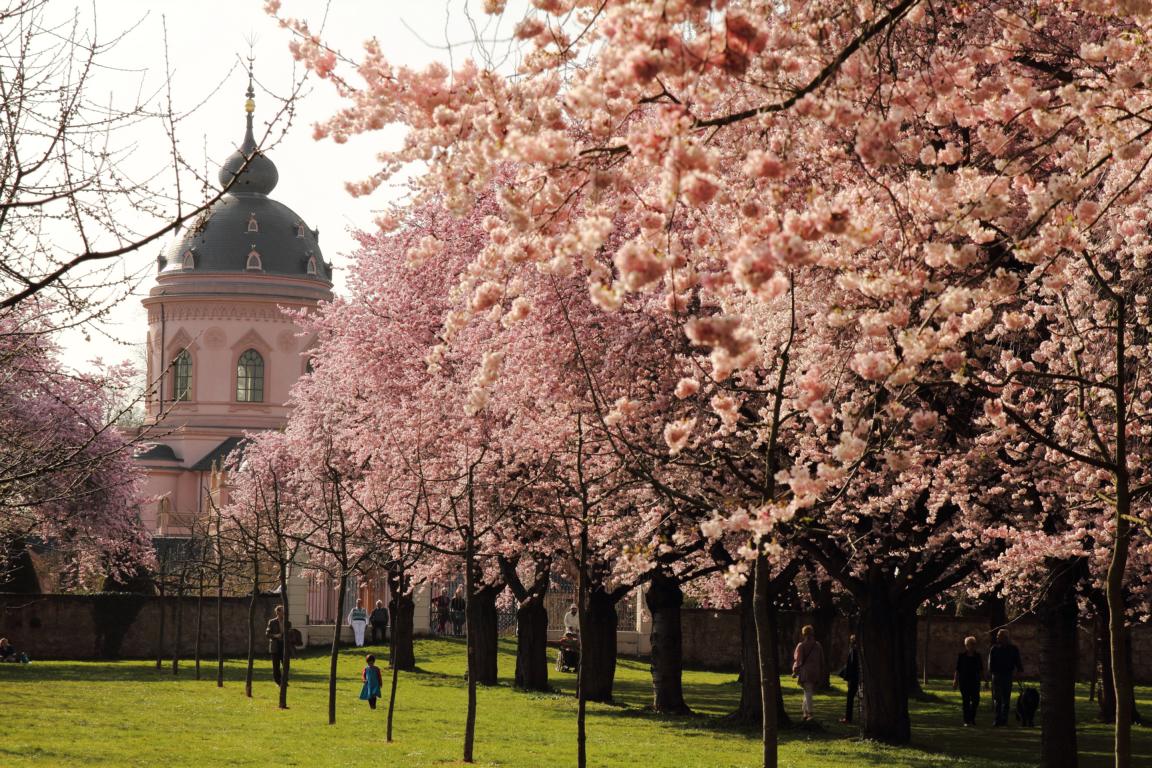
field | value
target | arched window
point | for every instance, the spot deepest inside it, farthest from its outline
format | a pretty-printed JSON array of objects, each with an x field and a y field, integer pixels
[
  {"x": 254, "y": 259},
  {"x": 300, "y": 230},
  {"x": 189, "y": 261},
  {"x": 253, "y": 225},
  {"x": 182, "y": 376},
  {"x": 311, "y": 265},
  {"x": 250, "y": 377}
]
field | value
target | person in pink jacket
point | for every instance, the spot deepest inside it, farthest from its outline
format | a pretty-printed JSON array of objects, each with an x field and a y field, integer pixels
[{"x": 808, "y": 666}]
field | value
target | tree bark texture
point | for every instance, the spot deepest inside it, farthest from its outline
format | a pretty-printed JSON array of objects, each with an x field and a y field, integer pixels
[
  {"x": 403, "y": 610},
  {"x": 199, "y": 624},
  {"x": 598, "y": 647},
  {"x": 884, "y": 666},
  {"x": 664, "y": 599},
  {"x": 532, "y": 645},
  {"x": 766, "y": 656},
  {"x": 484, "y": 624},
  {"x": 334, "y": 652},
  {"x": 178, "y": 627},
  {"x": 1057, "y": 613},
  {"x": 824, "y": 614},
  {"x": 250, "y": 667},
  {"x": 910, "y": 629}
]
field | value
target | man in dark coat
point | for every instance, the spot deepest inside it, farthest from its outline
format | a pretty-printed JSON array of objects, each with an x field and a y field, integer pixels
[
  {"x": 379, "y": 622},
  {"x": 1003, "y": 664},
  {"x": 276, "y": 632}
]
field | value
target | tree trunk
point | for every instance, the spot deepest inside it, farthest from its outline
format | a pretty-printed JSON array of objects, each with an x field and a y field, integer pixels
[
  {"x": 395, "y": 680},
  {"x": 248, "y": 672},
  {"x": 1118, "y": 637},
  {"x": 285, "y": 645},
  {"x": 598, "y": 647},
  {"x": 199, "y": 623},
  {"x": 532, "y": 644},
  {"x": 766, "y": 653},
  {"x": 1057, "y": 614},
  {"x": 178, "y": 628},
  {"x": 749, "y": 710},
  {"x": 334, "y": 654},
  {"x": 910, "y": 628},
  {"x": 160, "y": 635},
  {"x": 997, "y": 615},
  {"x": 824, "y": 615},
  {"x": 664, "y": 599},
  {"x": 220, "y": 626},
  {"x": 486, "y": 633},
  {"x": 884, "y": 666},
  {"x": 1106, "y": 694},
  {"x": 403, "y": 610},
  {"x": 773, "y": 618},
  {"x": 470, "y": 645}
]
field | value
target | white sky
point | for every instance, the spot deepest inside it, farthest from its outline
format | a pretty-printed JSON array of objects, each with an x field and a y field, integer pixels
[{"x": 205, "y": 40}]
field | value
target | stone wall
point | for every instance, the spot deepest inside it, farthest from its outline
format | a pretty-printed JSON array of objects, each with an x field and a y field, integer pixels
[
  {"x": 110, "y": 626},
  {"x": 712, "y": 640}
]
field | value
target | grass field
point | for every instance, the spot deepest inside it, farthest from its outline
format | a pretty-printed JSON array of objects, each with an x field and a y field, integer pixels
[{"x": 126, "y": 714}]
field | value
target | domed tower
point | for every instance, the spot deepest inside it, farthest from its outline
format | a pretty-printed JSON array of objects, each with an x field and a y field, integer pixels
[{"x": 222, "y": 354}]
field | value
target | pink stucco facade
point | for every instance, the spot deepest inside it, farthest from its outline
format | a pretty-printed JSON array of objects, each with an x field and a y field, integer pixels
[{"x": 216, "y": 318}]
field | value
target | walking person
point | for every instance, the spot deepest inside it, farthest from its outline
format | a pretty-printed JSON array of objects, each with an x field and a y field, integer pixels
[
  {"x": 851, "y": 675},
  {"x": 808, "y": 666},
  {"x": 373, "y": 682},
  {"x": 379, "y": 622},
  {"x": 1003, "y": 664},
  {"x": 358, "y": 620},
  {"x": 969, "y": 673},
  {"x": 276, "y": 631}
]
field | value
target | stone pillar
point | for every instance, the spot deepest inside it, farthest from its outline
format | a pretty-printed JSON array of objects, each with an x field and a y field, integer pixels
[
  {"x": 422, "y": 616},
  {"x": 643, "y": 624}
]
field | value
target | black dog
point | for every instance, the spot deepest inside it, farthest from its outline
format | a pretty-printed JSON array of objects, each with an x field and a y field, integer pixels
[{"x": 1026, "y": 705}]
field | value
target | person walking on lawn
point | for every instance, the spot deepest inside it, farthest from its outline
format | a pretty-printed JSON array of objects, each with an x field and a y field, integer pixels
[
  {"x": 969, "y": 673},
  {"x": 373, "y": 682},
  {"x": 808, "y": 666},
  {"x": 1003, "y": 664}
]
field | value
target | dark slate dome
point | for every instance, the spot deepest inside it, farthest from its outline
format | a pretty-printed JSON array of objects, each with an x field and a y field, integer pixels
[{"x": 246, "y": 231}]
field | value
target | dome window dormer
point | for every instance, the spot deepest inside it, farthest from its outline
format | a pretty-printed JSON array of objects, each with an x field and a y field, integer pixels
[
  {"x": 311, "y": 264},
  {"x": 254, "y": 262},
  {"x": 300, "y": 230},
  {"x": 253, "y": 225},
  {"x": 189, "y": 259}
]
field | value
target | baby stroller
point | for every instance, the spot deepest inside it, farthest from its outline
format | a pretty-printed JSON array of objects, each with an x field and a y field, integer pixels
[{"x": 568, "y": 659}]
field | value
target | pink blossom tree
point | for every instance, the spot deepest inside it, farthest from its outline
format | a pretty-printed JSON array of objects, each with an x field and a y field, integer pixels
[{"x": 66, "y": 473}]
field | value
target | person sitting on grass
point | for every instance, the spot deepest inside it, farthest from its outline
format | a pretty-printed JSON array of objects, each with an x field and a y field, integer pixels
[
  {"x": 8, "y": 651},
  {"x": 372, "y": 682}
]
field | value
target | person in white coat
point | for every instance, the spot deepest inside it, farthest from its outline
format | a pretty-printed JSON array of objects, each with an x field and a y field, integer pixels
[
  {"x": 572, "y": 620},
  {"x": 358, "y": 620}
]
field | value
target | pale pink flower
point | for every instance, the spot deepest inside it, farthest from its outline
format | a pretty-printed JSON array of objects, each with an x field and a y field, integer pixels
[
  {"x": 676, "y": 434},
  {"x": 687, "y": 387}
]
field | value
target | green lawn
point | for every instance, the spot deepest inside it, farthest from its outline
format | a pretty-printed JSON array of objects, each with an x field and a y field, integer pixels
[{"x": 125, "y": 714}]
